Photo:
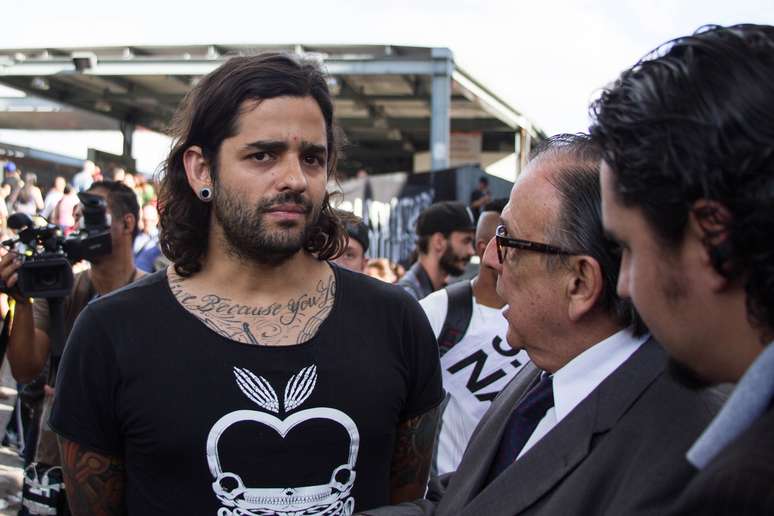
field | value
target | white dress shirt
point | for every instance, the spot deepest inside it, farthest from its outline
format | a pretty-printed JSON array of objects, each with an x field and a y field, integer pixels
[{"x": 581, "y": 375}]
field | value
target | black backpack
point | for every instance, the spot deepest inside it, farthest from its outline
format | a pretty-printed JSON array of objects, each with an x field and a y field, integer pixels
[{"x": 458, "y": 315}]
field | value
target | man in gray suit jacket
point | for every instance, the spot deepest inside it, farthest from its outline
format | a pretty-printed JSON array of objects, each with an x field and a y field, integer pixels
[
  {"x": 593, "y": 425},
  {"x": 688, "y": 186}
]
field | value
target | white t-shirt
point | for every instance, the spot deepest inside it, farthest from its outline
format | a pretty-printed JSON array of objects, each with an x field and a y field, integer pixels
[{"x": 474, "y": 371}]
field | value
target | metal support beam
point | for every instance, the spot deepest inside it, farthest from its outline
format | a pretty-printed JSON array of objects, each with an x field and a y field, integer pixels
[
  {"x": 140, "y": 65},
  {"x": 376, "y": 113},
  {"x": 127, "y": 130},
  {"x": 522, "y": 149},
  {"x": 440, "y": 107}
]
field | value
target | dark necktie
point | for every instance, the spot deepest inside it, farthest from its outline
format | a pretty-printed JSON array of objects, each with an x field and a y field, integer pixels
[{"x": 522, "y": 424}]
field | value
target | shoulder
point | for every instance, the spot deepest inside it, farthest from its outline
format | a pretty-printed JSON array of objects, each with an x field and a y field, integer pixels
[
  {"x": 356, "y": 280},
  {"x": 410, "y": 282},
  {"x": 410, "y": 277},
  {"x": 360, "y": 293},
  {"x": 436, "y": 306},
  {"x": 738, "y": 481},
  {"x": 436, "y": 302},
  {"x": 361, "y": 287},
  {"x": 137, "y": 293},
  {"x": 751, "y": 455}
]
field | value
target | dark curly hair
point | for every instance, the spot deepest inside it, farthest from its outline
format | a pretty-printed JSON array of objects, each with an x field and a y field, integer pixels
[
  {"x": 694, "y": 120},
  {"x": 208, "y": 115}
]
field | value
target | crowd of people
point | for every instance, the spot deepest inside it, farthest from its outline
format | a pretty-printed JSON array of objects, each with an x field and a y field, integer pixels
[
  {"x": 612, "y": 355},
  {"x": 21, "y": 193}
]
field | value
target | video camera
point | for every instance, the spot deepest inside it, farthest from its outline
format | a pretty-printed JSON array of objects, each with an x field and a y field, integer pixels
[{"x": 46, "y": 271}]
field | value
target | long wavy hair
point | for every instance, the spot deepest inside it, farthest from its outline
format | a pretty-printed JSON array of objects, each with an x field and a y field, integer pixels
[{"x": 208, "y": 115}]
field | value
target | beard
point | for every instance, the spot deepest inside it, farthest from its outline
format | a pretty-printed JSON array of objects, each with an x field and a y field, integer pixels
[
  {"x": 685, "y": 376},
  {"x": 449, "y": 262},
  {"x": 247, "y": 234}
]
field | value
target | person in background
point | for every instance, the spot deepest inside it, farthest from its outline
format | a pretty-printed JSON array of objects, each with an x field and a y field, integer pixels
[
  {"x": 354, "y": 255},
  {"x": 30, "y": 198},
  {"x": 64, "y": 212},
  {"x": 146, "y": 245},
  {"x": 5, "y": 191},
  {"x": 12, "y": 177},
  {"x": 381, "y": 269},
  {"x": 98, "y": 176},
  {"x": 130, "y": 180},
  {"x": 149, "y": 227},
  {"x": 145, "y": 189},
  {"x": 444, "y": 247},
  {"x": 82, "y": 180},
  {"x": 688, "y": 192},
  {"x": 53, "y": 197},
  {"x": 480, "y": 197},
  {"x": 29, "y": 343},
  {"x": 119, "y": 174}
]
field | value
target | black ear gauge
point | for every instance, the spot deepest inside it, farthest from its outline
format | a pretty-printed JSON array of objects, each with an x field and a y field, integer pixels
[{"x": 205, "y": 194}]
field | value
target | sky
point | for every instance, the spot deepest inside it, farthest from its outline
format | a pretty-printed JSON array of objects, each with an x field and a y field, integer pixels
[{"x": 547, "y": 59}]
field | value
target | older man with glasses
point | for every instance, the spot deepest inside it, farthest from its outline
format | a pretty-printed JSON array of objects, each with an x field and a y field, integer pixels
[{"x": 592, "y": 425}]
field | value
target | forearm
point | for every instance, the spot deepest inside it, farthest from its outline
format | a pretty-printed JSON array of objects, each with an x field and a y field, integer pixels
[
  {"x": 95, "y": 483},
  {"x": 411, "y": 460},
  {"x": 28, "y": 347}
]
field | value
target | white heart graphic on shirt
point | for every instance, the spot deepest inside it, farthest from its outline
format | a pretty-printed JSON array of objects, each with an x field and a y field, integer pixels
[{"x": 329, "y": 499}]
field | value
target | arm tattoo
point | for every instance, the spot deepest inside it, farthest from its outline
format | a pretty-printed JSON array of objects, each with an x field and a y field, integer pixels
[
  {"x": 94, "y": 482},
  {"x": 411, "y": 458},
  {"x": 292, "y": 322}
]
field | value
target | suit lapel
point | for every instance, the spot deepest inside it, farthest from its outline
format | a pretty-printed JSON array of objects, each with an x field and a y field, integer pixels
[
  {"x": 544, "y": 466},
  {"x": 474, "y": 467}
]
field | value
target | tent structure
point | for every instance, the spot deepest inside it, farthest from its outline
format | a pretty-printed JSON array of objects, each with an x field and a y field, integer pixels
[{"x": 396, "y": 104}]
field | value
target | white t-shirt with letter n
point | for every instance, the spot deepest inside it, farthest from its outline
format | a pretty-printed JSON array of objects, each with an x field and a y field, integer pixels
[{"x": 474, "y": 371}]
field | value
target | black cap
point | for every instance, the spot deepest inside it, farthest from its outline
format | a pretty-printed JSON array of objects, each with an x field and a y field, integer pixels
[
  {"x": 445, "y": 217},
  {"x": 359, "y": 231}
]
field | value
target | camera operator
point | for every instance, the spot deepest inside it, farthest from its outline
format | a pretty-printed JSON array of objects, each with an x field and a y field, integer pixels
[{"x": 29, "y": 345}]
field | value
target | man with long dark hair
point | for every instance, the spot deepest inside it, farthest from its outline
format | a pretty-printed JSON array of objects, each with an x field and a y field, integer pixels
[
  {"x": 688, "y": 191},
  {"x": 266, "y": 381}
]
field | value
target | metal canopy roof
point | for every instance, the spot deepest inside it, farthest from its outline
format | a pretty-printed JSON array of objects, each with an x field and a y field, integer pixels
[{"x": 386, "y": 97}]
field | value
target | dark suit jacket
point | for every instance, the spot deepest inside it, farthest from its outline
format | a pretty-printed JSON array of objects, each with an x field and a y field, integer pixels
[
  {"x": 740, "y": 480},
  {"x": 620, "y": 451}
]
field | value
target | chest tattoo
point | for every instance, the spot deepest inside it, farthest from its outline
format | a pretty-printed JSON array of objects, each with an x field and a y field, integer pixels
[{"x": 291, "y": 321}]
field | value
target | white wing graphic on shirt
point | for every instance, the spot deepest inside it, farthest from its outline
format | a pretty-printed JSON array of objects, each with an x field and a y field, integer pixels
[
  {"x": 257, "y": 389},
  {"x": 331, "y": 498},
  {"x": 300, "y": 387}
]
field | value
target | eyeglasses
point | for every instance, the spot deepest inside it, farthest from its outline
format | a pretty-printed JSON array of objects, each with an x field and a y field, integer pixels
[{"x": 503, "y": 243}]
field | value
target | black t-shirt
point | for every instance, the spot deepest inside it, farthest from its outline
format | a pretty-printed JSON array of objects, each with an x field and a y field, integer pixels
[{"x": 207, "y": 425}]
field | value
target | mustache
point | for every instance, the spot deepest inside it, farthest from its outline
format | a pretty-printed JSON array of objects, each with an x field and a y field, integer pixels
[{"x": 286, "y": 198}]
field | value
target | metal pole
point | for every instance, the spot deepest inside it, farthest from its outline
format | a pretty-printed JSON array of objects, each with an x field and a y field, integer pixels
[{"x": 440, "y": 108}]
